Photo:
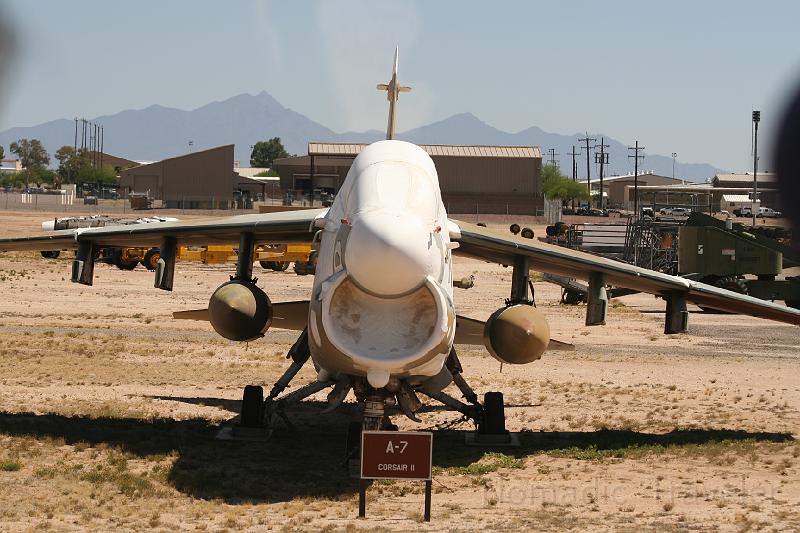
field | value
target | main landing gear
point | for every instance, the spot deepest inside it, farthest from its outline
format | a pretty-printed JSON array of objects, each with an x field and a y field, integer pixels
[{"x": 260, "y": 415}]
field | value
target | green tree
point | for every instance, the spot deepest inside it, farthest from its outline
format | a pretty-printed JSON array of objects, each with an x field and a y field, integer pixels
[
  {"x": 557, "y": 186},
  {"x": 265, "y": 153},
  {"x": 89, "y": 174},
  {"x": 2, "y": 152},
  {"x": 31, "y": 153}
]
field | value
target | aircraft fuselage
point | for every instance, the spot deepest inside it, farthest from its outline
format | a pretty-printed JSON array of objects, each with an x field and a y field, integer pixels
[{"x": 382, "y": 300}]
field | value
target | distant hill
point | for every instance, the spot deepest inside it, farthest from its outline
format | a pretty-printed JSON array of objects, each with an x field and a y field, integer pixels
[{"x": 158, "y": 132}]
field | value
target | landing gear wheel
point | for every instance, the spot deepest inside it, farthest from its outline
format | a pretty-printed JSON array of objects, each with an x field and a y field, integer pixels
[
  {"x": 267, "y": 265},
  {"x": 51, "y": 254},
  {"x": 252, "y": 415},
  {"x": 150, "y": 261},
  {"x": 121, "y": 261},
  {"x": 494, "y": 416},
  {"x": 730, "y": 283},
  {"x": 280, "y": 266}
]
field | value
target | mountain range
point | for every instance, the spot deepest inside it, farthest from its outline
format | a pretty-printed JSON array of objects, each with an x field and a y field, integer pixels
[{"x": 158, "y": 132}]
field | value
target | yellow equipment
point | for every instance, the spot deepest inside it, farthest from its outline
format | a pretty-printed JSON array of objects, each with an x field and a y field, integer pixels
[{"x": 271, "y": 256}]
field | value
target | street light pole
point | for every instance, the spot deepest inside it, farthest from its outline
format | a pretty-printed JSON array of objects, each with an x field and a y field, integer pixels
[
  {"x": 756, "y": 120},
  {"x": 674, "y": 155}
]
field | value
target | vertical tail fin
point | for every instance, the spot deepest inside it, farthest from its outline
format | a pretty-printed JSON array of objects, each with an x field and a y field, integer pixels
[{"x": 393, "y": 90}]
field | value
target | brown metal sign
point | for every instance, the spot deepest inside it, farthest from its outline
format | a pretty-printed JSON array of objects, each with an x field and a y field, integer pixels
[{"x": 396, "y": 455}]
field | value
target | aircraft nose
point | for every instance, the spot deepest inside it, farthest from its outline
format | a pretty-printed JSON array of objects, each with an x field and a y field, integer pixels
[{"x": 388, "y": 254}]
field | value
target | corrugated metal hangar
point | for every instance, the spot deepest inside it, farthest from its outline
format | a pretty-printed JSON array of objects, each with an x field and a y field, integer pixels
[
  {"x": 482, "y": 179},
  {"x": 203, "y": 179}
]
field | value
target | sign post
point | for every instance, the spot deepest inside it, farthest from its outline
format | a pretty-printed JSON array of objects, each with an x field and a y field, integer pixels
[{"x": 395, "y": 455}]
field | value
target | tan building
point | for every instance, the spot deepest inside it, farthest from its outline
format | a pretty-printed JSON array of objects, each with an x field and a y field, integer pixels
[
  {"x": 767, "y": 186},
  {"x": 203, "y": 179},
  {"x": 616, "y": 188},
  {"x": 119, "y": 163},
  {"x": 10, "y": 166},
  {"x": 482, "y": 179}
]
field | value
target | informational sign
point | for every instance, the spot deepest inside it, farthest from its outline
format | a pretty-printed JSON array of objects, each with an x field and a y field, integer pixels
[{"x": 396, "y": 455}]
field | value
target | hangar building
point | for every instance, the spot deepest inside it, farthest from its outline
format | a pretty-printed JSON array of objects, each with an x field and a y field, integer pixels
[
  {"x": 482, "y": 179},
  {"x": 203, "y": 179},
  {"x": 725, "y": 191}
]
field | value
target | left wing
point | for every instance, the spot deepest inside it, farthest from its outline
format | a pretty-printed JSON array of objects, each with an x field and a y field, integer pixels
[
  {"x": 482, "y": 243},
  {"x": 283, "y": 227}
]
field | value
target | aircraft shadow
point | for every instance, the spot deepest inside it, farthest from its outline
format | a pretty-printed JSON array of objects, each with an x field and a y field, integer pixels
[{"x": 307, "y": 460}]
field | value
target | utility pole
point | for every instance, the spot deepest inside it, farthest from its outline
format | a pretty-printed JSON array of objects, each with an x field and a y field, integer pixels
[
  {"x": 75, "y": 145},
  {"x": 102, "y": 138},
  {"x": 756, "y": 120},
  {"x": 601, "y": 158},
  {"x": 553, "y": 154},
  {"x": 573, "y": 153},
  {"x": 636, "y": 158},
  {"x": 586, "y": 140}
]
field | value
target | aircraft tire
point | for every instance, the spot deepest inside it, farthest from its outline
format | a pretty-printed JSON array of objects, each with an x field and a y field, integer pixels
[
  {"x": 150, "y": 261},
  {"x": 51, "y": 254},
  {"x": 280, "y": 266},
  {"x": 252, "y": 413},
  {"x": 494, "y": 416},
  {"x": 120, "y": 262}
]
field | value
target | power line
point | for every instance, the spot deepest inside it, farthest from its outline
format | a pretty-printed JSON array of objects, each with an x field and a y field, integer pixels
[{"x": 636, "y": 156}]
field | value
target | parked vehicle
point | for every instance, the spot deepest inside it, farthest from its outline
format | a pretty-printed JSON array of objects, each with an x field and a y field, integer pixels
[
  {"x": 680, "y": 212},
  {"x": 768, "y": 212},
  {"x": 743, "y": 212}
]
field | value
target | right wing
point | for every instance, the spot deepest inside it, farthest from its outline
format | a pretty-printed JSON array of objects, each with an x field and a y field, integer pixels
[
  {"x": 284, "y": 227},
  {"x": 482, "y": 243}
]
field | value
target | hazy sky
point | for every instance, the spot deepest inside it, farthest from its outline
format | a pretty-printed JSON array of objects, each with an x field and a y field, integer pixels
[{"x": 679, "y": 76}]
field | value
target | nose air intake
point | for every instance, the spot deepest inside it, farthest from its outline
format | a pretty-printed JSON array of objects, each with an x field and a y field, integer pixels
[{"x": 387, "y": 253}]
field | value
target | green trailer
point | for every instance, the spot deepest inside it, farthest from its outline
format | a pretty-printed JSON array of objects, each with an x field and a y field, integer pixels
[{"x": 722, "y": 256}]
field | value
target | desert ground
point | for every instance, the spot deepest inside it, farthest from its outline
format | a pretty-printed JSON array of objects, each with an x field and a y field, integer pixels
[{"x": 109, "y": 408}]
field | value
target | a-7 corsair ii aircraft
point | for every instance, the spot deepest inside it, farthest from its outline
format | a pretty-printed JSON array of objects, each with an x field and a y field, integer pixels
[{"x": 380, "y": 320}]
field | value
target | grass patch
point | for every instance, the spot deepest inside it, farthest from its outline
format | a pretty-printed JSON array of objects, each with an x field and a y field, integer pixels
[
  {"x": 489, "y": 462},
  {"x": 115, "y": 471},
  {"x": 9, "y": 465}
]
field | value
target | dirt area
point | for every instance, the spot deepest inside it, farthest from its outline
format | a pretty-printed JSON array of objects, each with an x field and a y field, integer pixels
[{"x": 108, "y": 411}]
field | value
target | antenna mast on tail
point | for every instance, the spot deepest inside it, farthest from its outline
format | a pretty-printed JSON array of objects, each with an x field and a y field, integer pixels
[{"x": 393, "y": 91}]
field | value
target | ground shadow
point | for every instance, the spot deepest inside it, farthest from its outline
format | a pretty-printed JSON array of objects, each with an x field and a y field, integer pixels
[{"x": 308, "y": 460}]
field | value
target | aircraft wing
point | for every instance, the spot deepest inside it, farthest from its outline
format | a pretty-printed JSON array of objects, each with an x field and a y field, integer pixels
[
  {"x": 482, "y": 243},
  {"x": 283, "y": 227}
]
